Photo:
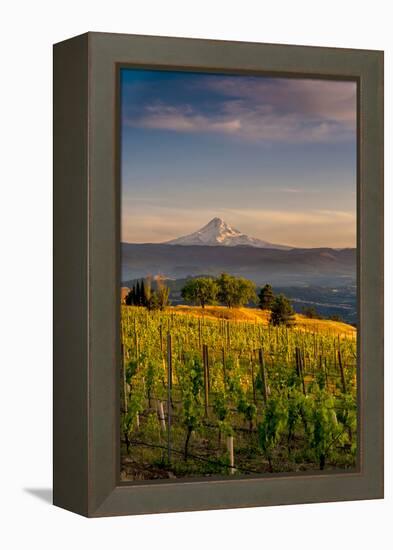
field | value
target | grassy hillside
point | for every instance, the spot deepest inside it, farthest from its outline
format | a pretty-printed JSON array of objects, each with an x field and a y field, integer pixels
[{"x": 244, "y": 314}]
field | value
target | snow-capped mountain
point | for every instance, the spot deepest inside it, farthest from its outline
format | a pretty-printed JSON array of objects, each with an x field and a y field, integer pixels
[{"x": 218, "y": 233}]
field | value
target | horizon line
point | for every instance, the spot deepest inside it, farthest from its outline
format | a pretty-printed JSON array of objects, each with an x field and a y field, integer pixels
[{"x": 290, "y": 247}]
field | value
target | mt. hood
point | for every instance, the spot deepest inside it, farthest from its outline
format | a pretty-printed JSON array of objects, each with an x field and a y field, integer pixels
[{"x": 218, "y": 233}]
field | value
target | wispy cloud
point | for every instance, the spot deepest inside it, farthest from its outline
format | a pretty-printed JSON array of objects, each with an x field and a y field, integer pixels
[
  {"x": 288, "y": 218},
  {"x": 259, "y": 109},
  {"x": 325, "y": 99},
  {"x": 184, "y": 119},
  {"x": 294, "y": 190}
]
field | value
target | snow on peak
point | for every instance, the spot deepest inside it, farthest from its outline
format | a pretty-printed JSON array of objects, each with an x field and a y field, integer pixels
[{"x": 218, "y": 233}]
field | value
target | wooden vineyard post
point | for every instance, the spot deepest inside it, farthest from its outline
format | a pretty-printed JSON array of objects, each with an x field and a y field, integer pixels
[
  {"x": 302, "y": 364},
  {"x": 334, "y": 353},
  {"x": 231, "y": 454},
  {"x": 340, "y": 364},
  {"x": 207, "y": 366},
  {"x": 263, "y": 374},
  {"x": 322, "y": 369},
  {"x": 206, "y": 378},
  {"x": 200, "y": 333},
  {"x": 169, "y": 384},
  {"x": 224, "y": 368},
  {"x": 297, "y": 361},
  {"x": 326, "y": 373},
  {"x": 303, "y": 358},
  {"x": 125, "y": 392},
  {"x": 161, "y": 415},
  {"x": 252, "y": 378},
  {"x": 299, "y": 368},
  {"x": 161, "y": 340}
]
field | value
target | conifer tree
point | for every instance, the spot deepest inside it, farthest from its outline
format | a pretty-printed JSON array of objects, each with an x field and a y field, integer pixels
[
  {"x": 266, "y": 297},
  {"x": 282, "y": 311},
  {"x": 143, "y": 294},
  {"x": 129, "y": 298}
]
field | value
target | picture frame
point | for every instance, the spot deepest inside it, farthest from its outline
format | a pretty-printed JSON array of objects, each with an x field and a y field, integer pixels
[{"x": 86, "y": 456}]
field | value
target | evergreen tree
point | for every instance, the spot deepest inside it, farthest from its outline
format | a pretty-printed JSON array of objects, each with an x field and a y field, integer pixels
[
  {"x": 266, "y": 297},
  {"x": 130, "y": 298},
  {"x": 143, "y": 294},
  {"x": 282, "y": 311},
  {"x": 137, "y": 294}
]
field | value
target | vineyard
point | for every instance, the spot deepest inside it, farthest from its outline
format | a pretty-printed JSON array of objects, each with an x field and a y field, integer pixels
[{"x": 205, "y": 395}]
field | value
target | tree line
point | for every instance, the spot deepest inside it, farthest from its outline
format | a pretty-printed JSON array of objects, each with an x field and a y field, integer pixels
[
  {"x": 232, "y": 291},
  {"x": 227, "y": 290},
  {"x": 142, "y": 294}
]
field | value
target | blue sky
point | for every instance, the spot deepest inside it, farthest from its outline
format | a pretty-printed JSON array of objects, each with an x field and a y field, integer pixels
[{"x": 274, "y": 157}]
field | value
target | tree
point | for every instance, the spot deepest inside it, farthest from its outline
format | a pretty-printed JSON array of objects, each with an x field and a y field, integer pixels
[
  {"x": 143, "y": 294},
  {"x": 266, "y": 297},
  {"x": 137, "y": 294},
  {"x": 235, "y": 291},
  {"x": 162, "y": 294},
  {"x": 310, "y": 312},
  {"x": 201, "y": 291},
  {"x": 227, "y": 289},
  {"x": 148, "y": 293},
  {"x": 130, "y": 298},
  {"x": 337, "y": 318},
  {"x": 282, "y": 311}
]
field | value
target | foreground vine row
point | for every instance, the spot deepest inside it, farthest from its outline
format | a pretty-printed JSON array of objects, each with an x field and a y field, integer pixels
[{"x": 203, "y": 396}]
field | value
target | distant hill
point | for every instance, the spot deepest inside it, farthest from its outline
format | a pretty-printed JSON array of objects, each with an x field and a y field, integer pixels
[{"x": 294, "y": 267}]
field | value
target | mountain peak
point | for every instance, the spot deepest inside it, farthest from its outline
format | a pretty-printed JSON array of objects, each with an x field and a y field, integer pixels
[
  {"x": 216, "y": 222},
  {"x": 219, "y": 233}
]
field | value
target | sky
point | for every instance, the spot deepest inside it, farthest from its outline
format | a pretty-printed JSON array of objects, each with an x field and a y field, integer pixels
[{"x": 274, "y": 157}]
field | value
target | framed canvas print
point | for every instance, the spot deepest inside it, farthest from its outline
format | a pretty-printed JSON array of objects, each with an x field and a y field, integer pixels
[{"x": 218, "y": 274}]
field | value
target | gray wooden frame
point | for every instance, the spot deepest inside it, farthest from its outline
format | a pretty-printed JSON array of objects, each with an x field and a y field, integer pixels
[{"x": 86, "y": 274}]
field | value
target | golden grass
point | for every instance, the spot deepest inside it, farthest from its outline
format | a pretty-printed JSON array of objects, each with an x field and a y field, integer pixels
[{"x": 244, "y": 314}]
